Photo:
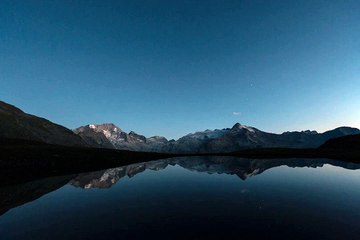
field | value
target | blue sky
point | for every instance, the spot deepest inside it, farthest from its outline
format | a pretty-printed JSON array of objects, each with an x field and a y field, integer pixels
[{"x": 173, "y": 67}]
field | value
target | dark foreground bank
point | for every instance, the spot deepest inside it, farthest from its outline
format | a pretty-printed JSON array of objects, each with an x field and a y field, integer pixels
[{"x": 22, "y": 160}]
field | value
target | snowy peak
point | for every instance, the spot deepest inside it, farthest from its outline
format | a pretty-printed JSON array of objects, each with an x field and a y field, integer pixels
[
  {"x": 236, "y": 125},
  {"x": 240, "y": 127},
  {"x": 109, "y": 135},
  {"x": 105, "y": 135},
  {"x": 106, "y": 128},
  {"x": 109, "y": 127}
]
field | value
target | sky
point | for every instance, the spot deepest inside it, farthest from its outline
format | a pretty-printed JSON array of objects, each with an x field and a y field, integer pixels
[{"x": 174, "y": 67}]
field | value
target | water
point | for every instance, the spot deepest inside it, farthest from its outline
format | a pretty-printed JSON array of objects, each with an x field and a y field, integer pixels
[{"x": 192, "y": 197}]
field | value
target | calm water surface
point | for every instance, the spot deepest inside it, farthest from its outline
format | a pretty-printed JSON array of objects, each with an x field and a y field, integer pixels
[{"x": 192, "y": 197}]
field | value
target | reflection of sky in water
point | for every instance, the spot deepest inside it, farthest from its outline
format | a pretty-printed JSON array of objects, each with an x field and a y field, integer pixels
[{"x": 322, "y": 201}]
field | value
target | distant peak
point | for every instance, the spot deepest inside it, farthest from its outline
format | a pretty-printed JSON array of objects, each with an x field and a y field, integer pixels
[
  {"x": 158, "y": 137},
  {"x": 310, "y": 132},
  {"x": 237, "y": 125},
  {"x": 105, "y": 126}
]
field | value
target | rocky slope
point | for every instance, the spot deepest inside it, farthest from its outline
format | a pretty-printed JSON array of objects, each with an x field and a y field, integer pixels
[{"x": 16, "y": 124}]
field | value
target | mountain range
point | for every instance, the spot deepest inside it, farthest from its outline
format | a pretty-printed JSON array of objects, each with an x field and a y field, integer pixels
[
  {"x": 209, "y": 141},
  {"x": 16, "y": 124}
]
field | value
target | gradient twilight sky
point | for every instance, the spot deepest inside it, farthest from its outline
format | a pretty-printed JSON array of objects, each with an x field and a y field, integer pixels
[{"x": 173, "y": 67}]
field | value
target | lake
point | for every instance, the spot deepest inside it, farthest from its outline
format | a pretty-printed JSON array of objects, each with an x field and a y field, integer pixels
[{"x": 190, "y": 198}]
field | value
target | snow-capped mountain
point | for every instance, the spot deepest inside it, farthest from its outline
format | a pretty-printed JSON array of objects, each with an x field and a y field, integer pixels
[
  {"x": 224, "y": 140},
  {"x": 209, "y": 141},
  {"x": 109, "y": 135},
  {"x": 241, "y": 137}
]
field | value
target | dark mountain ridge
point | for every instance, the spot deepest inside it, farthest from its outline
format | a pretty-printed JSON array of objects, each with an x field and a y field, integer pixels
[
  {"x": 346, "y": 143},
  {"x": 16, "y": 124}
]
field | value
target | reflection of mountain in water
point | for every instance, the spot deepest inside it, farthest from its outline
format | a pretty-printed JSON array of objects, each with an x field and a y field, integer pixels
[
  {"x": 243, "y": 168},
  {"x": 107, "y": 178},
  {"x": 16, "y": 195}
]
